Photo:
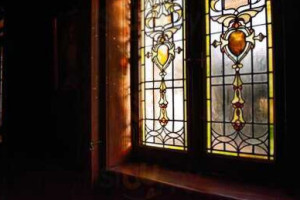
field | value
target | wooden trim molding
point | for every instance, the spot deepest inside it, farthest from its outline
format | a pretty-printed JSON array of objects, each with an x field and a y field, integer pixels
[
  {"x": 94, "y": 90},
  {"x": 214, "y": 187}
]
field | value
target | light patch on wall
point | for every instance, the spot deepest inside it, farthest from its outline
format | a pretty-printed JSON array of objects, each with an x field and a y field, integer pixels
[{"x": 118, "y": 80}]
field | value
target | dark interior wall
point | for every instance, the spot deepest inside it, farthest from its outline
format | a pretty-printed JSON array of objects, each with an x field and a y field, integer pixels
[
  {"x": 29, "y": 123},
  {"x": 43, "y": 123},
  {"x": 71, "y": 89},
  {"x": 291, "y": 65}
]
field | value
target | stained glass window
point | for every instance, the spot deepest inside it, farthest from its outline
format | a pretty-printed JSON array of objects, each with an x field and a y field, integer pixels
[
  {"x": 240, "y": 95},
  {"x": 162, "y": 74}
]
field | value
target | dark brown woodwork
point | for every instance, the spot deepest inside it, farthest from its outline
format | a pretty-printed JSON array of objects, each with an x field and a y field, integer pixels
[
  {"x": 95, "y": 136},
  {"x": 210, "y": 186}
]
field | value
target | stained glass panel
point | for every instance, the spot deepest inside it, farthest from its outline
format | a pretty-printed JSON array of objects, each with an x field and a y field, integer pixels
[
  {"x": 162, "y": 74},
  {"x": 240, "y": 80}
]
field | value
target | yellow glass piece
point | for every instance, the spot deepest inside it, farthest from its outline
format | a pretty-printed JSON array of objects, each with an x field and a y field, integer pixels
[
  {"x": 207, "y": 24},
  {"x": 142, "y": 5},
  {"x": 166, "y": 146},
  {"x": 207, "y": 6},
  {"x": 163, "y": 54},
  {"x": 208, "y": 66},
  {"x": 209, "y": 135},
  {"x": 208, "y": 110},
  {"x": 163, "y": 86},
  {"x": 186, "y": 132},
  {"x": 271, "y": 85},
  {"x": 142, "y": 104},
  {"x": 184, "y": 25},
  {"x": 238, "y": 81},
  {"x": 185, "y": 111},
  {"x": 270, "y": 38},
  {"x": 271, "y": 79},
  {"x": 225, "y": 153},
  {"x": 272, "y": 149},
  {"x": 179, "y": 13},
  {"x": 142, "y": 40},
  {"x": 184, "y": 16},
  {"x": 143, "y": 130},
  {"x": 208, "y": 86},
  {"x": 185, "y": 88},
  {"x": 269, "y": 12},
  {"x": 143, "y": 22},
  {"x": 208, "y": 89},
  {"x": 154, "y": 145},
  {"x": 174, "y": 147},
  {"x": 142, "y": 92},
  {"x": 184, "y": 51},
  {"x": 207, "y": 45},
  {"x": 241, "y": 155},
  {"x": 184, "y": 74},
  {"x": 237, "y": 117},
  {"x": 238, "y": 97},
  {"x": 271, "y": 67},
  {"x": 271, "y": 102},
  {"x": 142, "y": 56},
  {"x": 142, "y": 74},
  {"x": 254, "y": 156}
]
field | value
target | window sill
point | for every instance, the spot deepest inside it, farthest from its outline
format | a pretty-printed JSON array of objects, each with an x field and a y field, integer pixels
[{"x": 208, "y": 186}]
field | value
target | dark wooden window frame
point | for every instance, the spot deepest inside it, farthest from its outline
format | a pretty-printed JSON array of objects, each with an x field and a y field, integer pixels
[
  {"x": 3, "y": 86},
  {"x": 196, "y": 159}
]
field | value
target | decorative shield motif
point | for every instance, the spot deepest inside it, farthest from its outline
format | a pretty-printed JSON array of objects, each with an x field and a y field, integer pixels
[
  {"x": 236, "y": 43},
  {"x": 163, "y": 54},
  {"x": 163, "y": 21}
]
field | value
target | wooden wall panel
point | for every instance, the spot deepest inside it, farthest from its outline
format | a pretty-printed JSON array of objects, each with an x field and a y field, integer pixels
[{"x": 95, "y": 166}]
